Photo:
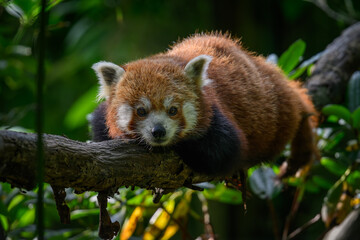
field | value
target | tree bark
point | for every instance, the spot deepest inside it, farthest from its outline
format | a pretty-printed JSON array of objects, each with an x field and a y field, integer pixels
[
  {"x": 338, "y": 62},
  {"x": 348, "y": 229},
  {"x": 91, "y": 166}
]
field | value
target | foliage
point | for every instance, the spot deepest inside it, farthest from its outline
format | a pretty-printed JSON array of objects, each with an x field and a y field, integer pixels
[{"x": 80, "y": 34}]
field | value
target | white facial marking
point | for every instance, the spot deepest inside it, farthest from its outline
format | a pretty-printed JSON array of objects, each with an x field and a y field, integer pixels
[
  {"x": 145, "y": 103},
  {"x": 145, "y": 127},
  {"x": 124, "y": 116},
  {"x": 168, "y": 102},
  {"x": 190, "y": 115}
]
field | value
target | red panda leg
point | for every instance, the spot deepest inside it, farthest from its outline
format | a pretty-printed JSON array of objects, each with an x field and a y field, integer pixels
[{"x": 303, "y": 149}]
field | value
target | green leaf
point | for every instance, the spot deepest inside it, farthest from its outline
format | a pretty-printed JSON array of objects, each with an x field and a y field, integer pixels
[
  {"x": 356, "y": 118},
  {"x": 83, "y": 213},
  {"x": 310, "y": 186},
  {"x": 322, "y": 182},
  {"x": 263, "y": 183},
  {"x": 291, "y": 57},
  {"x": 337, "y": 110},
  {"x": 76, "y": 116},
  {"x": 223, "y": 194},
  {"x": 27, "y": 218},
  {"x": 298, "y": 72},
  {"x": 354, "y": 179},
  {"x": 4, "y": 223},
  {"x": 333, "y": 194},
  {"x": 15, "y": 201},
  {"x": 333, "y": 141},
  {"x": 333, "y": 166},
  {"x": 306, "y": 65}
]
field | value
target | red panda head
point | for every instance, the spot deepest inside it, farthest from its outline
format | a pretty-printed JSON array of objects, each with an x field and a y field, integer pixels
[{"x": 155, "y": 100}]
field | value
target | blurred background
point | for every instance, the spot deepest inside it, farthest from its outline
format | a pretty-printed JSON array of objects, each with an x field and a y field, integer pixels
[{"x": 80, "y": 33}]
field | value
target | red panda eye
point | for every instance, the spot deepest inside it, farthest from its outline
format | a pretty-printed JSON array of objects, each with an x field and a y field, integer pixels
[
  {"x": 172, "y": 111},
  {"x": 141, "y": 112}
]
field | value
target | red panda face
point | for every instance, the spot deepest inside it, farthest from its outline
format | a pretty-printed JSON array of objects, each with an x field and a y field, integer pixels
[{"x": 154, "y": 101}]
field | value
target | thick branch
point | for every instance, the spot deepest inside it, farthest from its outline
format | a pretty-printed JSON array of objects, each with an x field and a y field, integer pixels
[
  {"x": 334, "y": 68},
  {"x": 348, "y": 229},
  {"x": 102, "y": 166}
]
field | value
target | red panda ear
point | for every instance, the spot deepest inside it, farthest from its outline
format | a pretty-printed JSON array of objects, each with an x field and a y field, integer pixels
[
  {"x": 196, "y": 70},
  {"x": 108, "y": 74}
]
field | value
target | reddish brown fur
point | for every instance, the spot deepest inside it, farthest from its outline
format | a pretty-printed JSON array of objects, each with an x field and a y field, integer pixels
[{"x": 253, "y": 94}]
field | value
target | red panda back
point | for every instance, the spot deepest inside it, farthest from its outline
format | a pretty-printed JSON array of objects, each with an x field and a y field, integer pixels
[{"x": 252, "y": 93}]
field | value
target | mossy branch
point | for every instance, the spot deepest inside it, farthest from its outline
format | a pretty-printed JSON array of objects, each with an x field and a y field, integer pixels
[{"x": 91, "y": 166}]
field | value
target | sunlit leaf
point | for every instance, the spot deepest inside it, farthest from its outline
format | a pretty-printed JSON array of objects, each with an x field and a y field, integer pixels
[
  {"x": 76, "y": 116},
  {"x": 130, "y": 226},
  {"x": 333, "y": 166},
  {"x": 291, "y": 57},
  {"x": 144, "y": 198},
  {"x": 159, "y": 220},
  {"x": 53, "y": 3},
  {"x": 15, "y": 201},
  {"x": 337, "y": 110},
  {"x": 4, "y": 223},
  {"x": 83, "y": 213},
  {"x": 170, "y": 231},
  {"x": 223, "y": 194},
  {"x": 180, "y": 215},
  {"x": 27, "y": 218}
]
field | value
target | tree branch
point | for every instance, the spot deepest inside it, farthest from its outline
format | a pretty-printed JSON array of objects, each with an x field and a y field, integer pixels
[
  {"x": 92, "y": 166},
  {"x": 340, "y": 59}
]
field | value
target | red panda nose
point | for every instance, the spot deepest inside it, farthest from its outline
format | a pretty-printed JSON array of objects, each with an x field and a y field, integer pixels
[{"x": 158, "y": 131}]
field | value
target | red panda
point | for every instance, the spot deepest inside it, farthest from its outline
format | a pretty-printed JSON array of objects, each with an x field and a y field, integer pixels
[{"x": 218, "y": 106}]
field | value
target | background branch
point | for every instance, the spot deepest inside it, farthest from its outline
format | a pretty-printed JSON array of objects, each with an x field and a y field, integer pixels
[{"x": 339, "y": 61}]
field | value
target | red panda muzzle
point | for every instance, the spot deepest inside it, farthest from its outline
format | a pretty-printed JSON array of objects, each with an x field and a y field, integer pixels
[{"x": 158, "y": 132}]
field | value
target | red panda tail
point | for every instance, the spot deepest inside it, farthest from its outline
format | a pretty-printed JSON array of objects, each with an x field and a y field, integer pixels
[{"x": 309, "y": 108}]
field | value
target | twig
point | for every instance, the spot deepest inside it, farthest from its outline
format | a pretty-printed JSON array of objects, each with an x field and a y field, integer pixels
[
  {"x": 323, "y": 5},
  {"x": 305, "y": 226},
  {"x": 274, "y": 219},
  {"x": 294, "y": 207},
  {"x": 209, "y": 231}
]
